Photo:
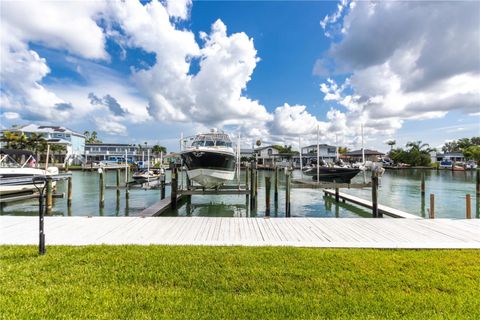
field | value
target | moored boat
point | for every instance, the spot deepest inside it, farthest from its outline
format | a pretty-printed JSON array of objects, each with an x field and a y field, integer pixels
[{"x": 210, "y": 160}]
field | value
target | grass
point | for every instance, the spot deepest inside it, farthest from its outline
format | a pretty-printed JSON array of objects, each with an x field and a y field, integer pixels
[{"x": 144, "y": 282}]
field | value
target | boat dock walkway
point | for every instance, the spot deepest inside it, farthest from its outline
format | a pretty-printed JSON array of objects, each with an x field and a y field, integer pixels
[
  {"x": 298, "y": 232},
  {"x": 388, "y": 211}
]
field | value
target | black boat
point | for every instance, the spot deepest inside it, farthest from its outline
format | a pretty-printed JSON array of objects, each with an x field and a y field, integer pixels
[
  {"x": 210, "y": 160},
  {"x": 331, "y": 174}
]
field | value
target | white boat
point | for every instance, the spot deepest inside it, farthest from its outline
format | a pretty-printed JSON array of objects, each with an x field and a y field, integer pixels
[
  {"x": 16, "y": 178},
  {"x": 146, "y": 175},
  {"x": 470, "y": 165},
  {"x": 210, "y": 160}
]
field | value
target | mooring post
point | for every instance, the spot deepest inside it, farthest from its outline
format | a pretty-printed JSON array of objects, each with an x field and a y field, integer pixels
[
  {"x": 431, "y": 212},
  {"x": 173, "y": 195},
  {"x": 375, "y": 194},
  {"x": 287, "y": 194},
  {"x": 422, "y": 185},
  {"x": 267, "y": 196},
  {"x": 468, "y": 206},
  {"x": 101, "y": 186},
  {"x": 275, "y": 195},
  {"x": 478, "y": 183},
  {"x": 49, "y": 194},
  {"x": 118, "y": 184},
  {"x": 252, "y": 193},
  {"x": 247, "y": 171},
  {"x": 69, "y": 192},
  {"x": 162, "y": 187},
  {"x": 337, "y": 195}
]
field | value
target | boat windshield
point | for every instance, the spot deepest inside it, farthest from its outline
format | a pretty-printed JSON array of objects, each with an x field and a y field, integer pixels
[
  {"x": 212, "y": 140},
  {"x": 7, "y": 162}
]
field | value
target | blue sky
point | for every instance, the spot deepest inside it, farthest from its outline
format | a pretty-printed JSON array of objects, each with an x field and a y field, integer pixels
[{"x": 275, "y": 71}]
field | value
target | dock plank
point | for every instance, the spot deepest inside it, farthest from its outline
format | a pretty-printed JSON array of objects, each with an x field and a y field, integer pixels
[{"x": 307, "y": 232}]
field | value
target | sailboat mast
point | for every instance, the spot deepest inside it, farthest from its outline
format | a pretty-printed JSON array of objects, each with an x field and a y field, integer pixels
[{"x": 363, "y": 149}]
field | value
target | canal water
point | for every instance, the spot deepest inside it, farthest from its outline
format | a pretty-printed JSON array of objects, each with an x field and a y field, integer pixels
[{"x": 399, "y": 189}]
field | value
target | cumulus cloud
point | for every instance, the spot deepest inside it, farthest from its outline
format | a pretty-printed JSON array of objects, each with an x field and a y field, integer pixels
[{"x": 404, "y": 61}]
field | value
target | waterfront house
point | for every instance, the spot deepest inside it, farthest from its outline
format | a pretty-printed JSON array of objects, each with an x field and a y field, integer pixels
[
  {"x": 449, "y": 156},
  {"x": 73, "y": 142},
  {"x": 271, "y": 157},
  {"x": 370, "y": 155},
  {"x": 327, "y": 153},
  {"x": 116, "y": 152}
]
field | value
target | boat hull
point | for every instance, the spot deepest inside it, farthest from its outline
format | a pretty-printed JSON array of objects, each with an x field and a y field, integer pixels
[
  {"x": 340, "y": 175},
  {"x": 210, "y": 169}
]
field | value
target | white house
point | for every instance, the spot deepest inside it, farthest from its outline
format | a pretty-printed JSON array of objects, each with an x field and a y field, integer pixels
[
  {"x": 327, "y": 152},
  {"x": 74, "y": 142}
]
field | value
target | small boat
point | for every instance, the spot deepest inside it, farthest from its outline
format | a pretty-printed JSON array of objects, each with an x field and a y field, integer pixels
[
  {"x": 16, "y": 178},
  {"x": 458, "y": 168},
  {"x": 446, "y": 164},
  {"x": 210, "y": 159},
  {"x": 471, "y": 165},
  {"x": 146, "y": 175}
]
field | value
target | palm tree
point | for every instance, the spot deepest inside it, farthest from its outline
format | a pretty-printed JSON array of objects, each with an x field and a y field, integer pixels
[
  {"x": 391, "y": 143},
  {"x": 36, "y": 142},
  {"x": 418, "y": 146},
  {"x": 10, "y": 138}
]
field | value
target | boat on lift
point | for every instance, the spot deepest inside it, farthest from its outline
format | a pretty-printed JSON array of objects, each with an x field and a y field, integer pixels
[
  {"x": 16, "y": 178},
  {"x": 336, "y": 173},
  {"x": 147, "y": 175},
  {"x": 210, "y": 159}
]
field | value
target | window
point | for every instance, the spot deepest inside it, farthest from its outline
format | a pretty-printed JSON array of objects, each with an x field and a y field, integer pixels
[
  {"x": 221, "y": 143},
  {"x": 209, "y": 143},
  {"x": 269, "y": 151}
]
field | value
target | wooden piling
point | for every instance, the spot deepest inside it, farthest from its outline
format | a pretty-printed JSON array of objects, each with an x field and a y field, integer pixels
[
  {"x": 49, "y": 194},
  {"x": 431, "y": 213},
  {"x": 69, "y": 192},
  {"x": 252, "y": 188},
  {"x": 375, "y": 212},
  {"x": 173, "y": 194},
  {"x": 422, "y": 185},
  {"x": 468, "y": 206},
  {"x": 276, "y": 186},
  {"x": 267, "y": 196},
  {"x": 247, "y": 171},
  {"x": 101, "y": 186},
  {"x": 287, "y": 195},
  {"x": 162, "y": 187},
  {"x": 478, "y": 183},
  {"x": 118, "y": 184}
]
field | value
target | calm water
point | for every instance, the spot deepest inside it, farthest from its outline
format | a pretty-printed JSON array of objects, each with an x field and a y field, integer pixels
[{"x": 399, "y": 189}]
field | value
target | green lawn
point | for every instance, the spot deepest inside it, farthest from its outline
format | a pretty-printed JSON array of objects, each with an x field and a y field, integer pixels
[{"x": 141, "y": 282}]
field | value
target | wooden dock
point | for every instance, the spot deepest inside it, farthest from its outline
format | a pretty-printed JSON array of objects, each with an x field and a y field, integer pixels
[
  {"x": 298, "y": 232},
  {"x": 391, "y": 212},
  {"x": 159, "y": 207}
]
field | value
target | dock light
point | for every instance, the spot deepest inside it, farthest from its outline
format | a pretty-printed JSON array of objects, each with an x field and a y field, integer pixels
[{"x": 40, "y": 182}]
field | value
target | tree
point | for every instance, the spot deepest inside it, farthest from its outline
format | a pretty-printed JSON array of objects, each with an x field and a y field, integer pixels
[
  {"x": 391, "y": 143},
  {"x": 91, "y": 138},
  {"x": 417, "y": 154},
  {"x": 472, "y": 153},
  {"x": 36, "y": 143},
  {"x": 156, "y": 149},
  {"x": 258, "y": 143},
  {"x": 343, "y": 150},
  {"x": 10, "y": 138}
]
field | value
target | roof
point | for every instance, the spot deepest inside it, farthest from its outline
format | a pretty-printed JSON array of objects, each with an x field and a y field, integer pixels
[
  {"x": 43, "y": 129},
  {"x": 16, "y": 152},
  {"x": 266, "y": 147},
  {"x": 450, "y": 154},
  {"x": 321, "y": 145},
  {"x": 368, "y": 152},
  {"x": 110, "y": 145},
  {"x": 246, "y": 150}
]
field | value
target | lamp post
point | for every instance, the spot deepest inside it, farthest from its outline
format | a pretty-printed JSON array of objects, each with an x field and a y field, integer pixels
[{"x": 40, "y": 183}]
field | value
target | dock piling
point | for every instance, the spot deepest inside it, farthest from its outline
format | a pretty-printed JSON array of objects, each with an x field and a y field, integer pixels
[
  {"x": 478, "y": 183},
  {"x": 162, "y": 187},
  {"x": 173, "y": 195},
  {"x": 267, "y": 196},
  {"x": 69, "y": 192},
  {"x": 276, "y": 186},
  {"x": 422, "y": 185},
  {"x": 101, "y": 186},
  {"x": 431, "y": 212},
  {"x": 287, "y": 195},
  {"x": 468, "y": 206},
  {"x": 49, "y": 194},
  {"x": 118, "y": 184},
  {"x": 375, "y": 212}
]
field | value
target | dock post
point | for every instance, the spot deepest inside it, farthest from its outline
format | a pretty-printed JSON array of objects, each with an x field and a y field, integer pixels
[
  {"x": 252, "y": 193},
  {"x": 69, "y": 192},
  {"x": 468, "y": 206},
  {"x": 275, "y": 196},
  {"x": 337, "y": 195},
  {"x": 478, "y": 183},
  {"x": 162, "y": 187},
  {"x": 375, "y": 213},
  {"x": 118, "y": 184},
  {"x": 422, "y": 185},
  {"x": 267, "y": 196},
  {"x": 287, "y": 195},
  {"x": 49, "y": 194},
  {"x": 247, "y": 171},
  {"x": 173, "y": 195},
  {"x": 101, "y": 186},
  {"x": 431, "y": 213}
]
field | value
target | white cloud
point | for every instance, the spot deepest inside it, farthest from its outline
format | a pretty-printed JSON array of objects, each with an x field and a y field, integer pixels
[
  {"x": 179, "y": 8},
  {"x": 405, "y": 61}
]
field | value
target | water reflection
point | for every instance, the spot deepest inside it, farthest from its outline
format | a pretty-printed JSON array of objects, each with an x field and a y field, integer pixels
[{"x": 399, "y": 189}]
